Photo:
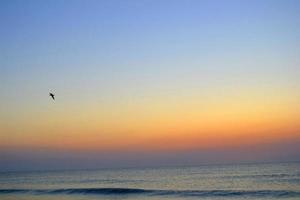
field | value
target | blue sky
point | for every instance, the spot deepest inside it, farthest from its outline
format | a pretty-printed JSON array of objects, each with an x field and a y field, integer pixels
[{"x": 109, "y": 54}]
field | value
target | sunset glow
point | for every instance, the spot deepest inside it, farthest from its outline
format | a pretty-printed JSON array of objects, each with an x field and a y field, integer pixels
[{"x": 151, "y": 77}]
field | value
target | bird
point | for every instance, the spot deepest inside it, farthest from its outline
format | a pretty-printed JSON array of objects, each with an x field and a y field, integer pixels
[{"x": 51, "y": 95}]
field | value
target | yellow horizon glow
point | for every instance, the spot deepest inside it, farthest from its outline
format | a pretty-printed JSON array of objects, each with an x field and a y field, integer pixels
[{"x": 166, "y": 122}]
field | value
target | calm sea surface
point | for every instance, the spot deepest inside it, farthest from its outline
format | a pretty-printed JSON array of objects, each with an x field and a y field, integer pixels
[{"x": 252, "y": 181}]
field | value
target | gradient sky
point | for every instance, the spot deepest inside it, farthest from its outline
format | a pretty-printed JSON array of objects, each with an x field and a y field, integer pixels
[{"x": 148, "y": 82}]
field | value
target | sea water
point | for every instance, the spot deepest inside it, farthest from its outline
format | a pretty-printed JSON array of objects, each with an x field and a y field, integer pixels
[{"x": 243, "y": 181}]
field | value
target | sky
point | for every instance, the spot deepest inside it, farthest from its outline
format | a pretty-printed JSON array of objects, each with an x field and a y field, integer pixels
[{"x": 148, "y": 83}]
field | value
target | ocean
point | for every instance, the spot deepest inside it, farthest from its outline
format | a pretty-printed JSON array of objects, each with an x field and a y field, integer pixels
[{"x": 238, "y": 181}]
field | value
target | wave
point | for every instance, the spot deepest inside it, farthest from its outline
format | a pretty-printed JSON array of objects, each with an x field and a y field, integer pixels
[
  {"x": 181, "y": 193},
  {"x": 263, "y": 176}
]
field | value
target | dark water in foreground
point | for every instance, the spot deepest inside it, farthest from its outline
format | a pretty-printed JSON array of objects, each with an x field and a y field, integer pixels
[{"x": 253, "y": 181}]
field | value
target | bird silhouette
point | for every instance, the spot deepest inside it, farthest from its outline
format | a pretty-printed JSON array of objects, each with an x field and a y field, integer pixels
[{"x": 51, "y": 95}]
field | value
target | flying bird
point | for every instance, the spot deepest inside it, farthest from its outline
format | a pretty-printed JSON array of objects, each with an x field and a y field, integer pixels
[{"x": 51, "y": 95}]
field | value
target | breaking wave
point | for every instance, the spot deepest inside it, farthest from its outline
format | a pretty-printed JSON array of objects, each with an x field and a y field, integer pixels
[{"x": 180, "y": 193}]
